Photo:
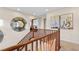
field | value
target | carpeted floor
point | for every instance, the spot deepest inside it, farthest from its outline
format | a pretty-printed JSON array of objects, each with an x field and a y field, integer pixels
[{"x": 67, "y": 46}]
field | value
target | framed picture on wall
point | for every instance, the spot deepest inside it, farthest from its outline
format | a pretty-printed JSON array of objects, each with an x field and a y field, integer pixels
[
  {"x": 55, "y": 22},
  {"x": 66, "y": 21}
]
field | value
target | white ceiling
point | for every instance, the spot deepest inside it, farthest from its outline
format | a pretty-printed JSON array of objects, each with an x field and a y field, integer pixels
[{"x": 35, "y": 11}]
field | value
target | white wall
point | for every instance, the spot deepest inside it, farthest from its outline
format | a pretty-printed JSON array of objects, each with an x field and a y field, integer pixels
[
  {"x": 67, "y": 35},
  {"x": 42, "y": 22},
  {"x": 11, "y": 37}
]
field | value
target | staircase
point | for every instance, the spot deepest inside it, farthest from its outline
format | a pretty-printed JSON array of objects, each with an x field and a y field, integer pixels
[{"x": 40, "y": 40}]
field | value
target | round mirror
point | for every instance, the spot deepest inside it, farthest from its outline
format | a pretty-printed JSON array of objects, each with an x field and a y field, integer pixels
[
  {"x": 18, "y": 24},
  {"x": 1, "y": 36}
]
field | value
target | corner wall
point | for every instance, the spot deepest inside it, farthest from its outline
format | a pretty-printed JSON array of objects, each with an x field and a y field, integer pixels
[{"x": 71, "y": 35}]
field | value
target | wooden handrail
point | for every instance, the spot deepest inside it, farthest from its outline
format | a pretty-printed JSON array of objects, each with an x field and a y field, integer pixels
[{"x": 48, "y": 40}]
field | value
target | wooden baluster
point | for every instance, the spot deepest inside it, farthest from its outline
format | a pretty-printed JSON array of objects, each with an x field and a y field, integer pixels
[
  {"x": 52, "y": 41},
  {"x": 47, "y": 43},
  {"x": 40, "y": 45},
  {"x": 43, "y": 44},
  {"x": 55, "y": 41},
  {"x": 17, "y": 49},
  {"x": 37, "y": 45},
  {"x": 20, "y": 48},
  {"x": 26, "y": 47},
  {"x": 58, "y": 38},
  {"x": 32, "y": 46}
]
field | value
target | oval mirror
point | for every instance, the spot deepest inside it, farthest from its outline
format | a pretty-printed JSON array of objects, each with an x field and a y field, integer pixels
[
  {"x": 18, "y": 24},
  {"x": 1, "y": 36}
]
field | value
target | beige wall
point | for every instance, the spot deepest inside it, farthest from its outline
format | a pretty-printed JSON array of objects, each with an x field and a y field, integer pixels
[
  {"x": 67, "y": 35},
  {"x": 11, "y": 37}
]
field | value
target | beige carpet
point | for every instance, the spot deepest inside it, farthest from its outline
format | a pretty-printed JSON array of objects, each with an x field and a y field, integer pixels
[{"x": 68, "y": 46}]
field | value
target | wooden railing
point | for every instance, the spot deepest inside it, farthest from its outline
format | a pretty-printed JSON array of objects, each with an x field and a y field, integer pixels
[{"x": 43, "y": 40}]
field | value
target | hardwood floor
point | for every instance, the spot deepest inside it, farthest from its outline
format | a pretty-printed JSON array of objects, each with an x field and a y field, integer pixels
[{"x": 68, "y": 46}]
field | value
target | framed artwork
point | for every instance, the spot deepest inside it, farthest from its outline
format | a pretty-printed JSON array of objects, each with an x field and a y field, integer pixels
[
  {"x": 55, "y": 22},
  {"x": 66, "y": 21}
]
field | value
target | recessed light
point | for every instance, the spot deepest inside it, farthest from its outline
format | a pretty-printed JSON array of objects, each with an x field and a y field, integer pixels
[
  {"x": 34, "y": 13},
  {"x": 18, "y": 9},
  {"x": 32, "y": 17},
  {"x": 46, "y": 9}
]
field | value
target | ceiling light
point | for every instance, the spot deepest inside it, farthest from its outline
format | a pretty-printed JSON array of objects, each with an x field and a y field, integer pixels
[
  {"x": 34, "y": 14},
  {"x": 46, "y": 9},
  {"x": 32, "y": 17},
  {"x": 18, "y": 9}
]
